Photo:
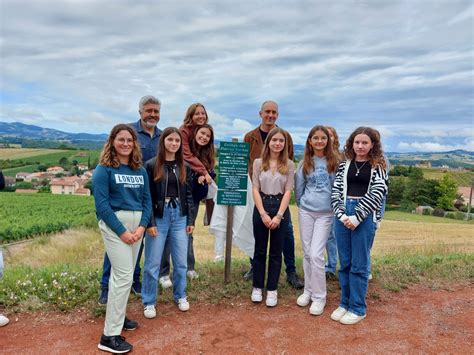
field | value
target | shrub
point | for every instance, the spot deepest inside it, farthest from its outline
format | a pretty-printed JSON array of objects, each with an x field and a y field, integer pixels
[
  {"x": 450, "y": 215},
  {"x": 438, "y": 212},
  {"x": 427, "y": 212}
]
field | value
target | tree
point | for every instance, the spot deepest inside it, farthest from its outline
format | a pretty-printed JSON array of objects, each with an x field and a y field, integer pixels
[
  {"x": 447, "y": 190},
  {"x": 399, "y": 170},
  {"x": 42, "y": 167},
  {"x": 395, "y": 192},
  {"x": 419, "y": 192},
  {"x": 64, "y": 162},
  {"x": 415, "y": 172}
]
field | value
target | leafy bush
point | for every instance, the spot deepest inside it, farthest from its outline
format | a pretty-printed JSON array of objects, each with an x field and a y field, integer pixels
[
  {"x": 427, "y": 212},
  {"x": 438, "y": 212}
]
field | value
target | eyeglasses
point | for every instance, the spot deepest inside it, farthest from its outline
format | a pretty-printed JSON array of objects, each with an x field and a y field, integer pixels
[
  {"x": 151, "y": 110},
  {"x": 124, "y": 140}
]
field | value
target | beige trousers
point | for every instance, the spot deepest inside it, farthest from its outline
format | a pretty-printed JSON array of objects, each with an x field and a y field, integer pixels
[{"x": 123, "y": 258}]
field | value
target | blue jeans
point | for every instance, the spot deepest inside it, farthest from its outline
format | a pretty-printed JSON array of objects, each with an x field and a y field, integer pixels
[
  {"x": 171, "y": 228},
  {"x": 354, "y": 254},
  {"x": 104, "y": 282},
  {"x": 165, "y": 260},
  {"x": 331, "y": 250},
  {"x": 383, "y": 213}
]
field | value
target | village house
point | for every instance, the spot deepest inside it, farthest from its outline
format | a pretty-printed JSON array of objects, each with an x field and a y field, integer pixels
[
  {"x": 21, "y": 175},
  {"x": 55, "y": 170},
  {"x": 71, "y": 185}
]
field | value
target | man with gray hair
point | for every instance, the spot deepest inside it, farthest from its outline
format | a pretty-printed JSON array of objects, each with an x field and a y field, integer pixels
[{"x": 148, "y": 137}]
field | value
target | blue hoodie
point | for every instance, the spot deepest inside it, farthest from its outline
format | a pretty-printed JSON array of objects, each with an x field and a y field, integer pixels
[{"x": 313, "y": 192}]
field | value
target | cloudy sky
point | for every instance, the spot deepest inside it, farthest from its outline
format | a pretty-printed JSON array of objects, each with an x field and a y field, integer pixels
[{"x": 404, "y": 67}]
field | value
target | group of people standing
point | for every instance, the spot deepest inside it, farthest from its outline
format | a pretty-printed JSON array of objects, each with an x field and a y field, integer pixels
[
  {"x": 152, "y": 181},
  {"x": 149, "y": 180},
  {"x": 340, "y": 193}
]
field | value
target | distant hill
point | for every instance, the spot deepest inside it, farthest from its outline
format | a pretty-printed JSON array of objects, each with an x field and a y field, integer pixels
[
  {"x": 35, "y": 136},
  {"x": 30, "y": 136}
]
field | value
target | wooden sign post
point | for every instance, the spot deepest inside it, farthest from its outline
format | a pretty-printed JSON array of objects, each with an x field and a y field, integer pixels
[{"x": 232, "y": 188}]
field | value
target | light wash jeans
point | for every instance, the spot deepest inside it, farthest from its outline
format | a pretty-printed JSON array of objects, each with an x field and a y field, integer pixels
[
  {"x": 331, "y": 251},
  {"x": 315, "y": 228},
  {"x": 171, "y": 227},
  {"x": 123, "y": 258},
  {"x": 354, "y": 255}
]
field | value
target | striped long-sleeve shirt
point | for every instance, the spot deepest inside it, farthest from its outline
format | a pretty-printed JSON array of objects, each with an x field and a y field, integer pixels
[{"x": 372, "y": 200}]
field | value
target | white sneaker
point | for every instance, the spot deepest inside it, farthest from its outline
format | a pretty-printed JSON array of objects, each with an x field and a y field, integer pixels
[
  {"x": 370, "y": 277},
  {"x": 192, "y": 274},
  {"x": 338, "y": 313},
  {"x": 351, "y": 318},
  {"x": 272, "y": 298},
  {"x": 183, "y": 304},
  {"x": 3, "y": 320},
  {"x": 303, "y": 300},
  {"x": 219, "y": 258},
  {"x": 150, "y": 311},
  {"x": 317, "y": 307},
  {"x": 256, "y": 295},
  {"x": 165, "y": 282}
]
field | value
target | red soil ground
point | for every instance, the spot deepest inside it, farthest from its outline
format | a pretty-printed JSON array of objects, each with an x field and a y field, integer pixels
[{"x": 416, "y": 320}]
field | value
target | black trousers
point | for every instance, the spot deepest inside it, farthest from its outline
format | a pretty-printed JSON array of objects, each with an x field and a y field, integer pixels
[{"x": 263, "y": 237}]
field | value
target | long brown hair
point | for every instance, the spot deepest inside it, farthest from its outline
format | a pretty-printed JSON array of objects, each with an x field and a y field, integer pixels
[
  {"x": 329, "y": 153},
  {"x": 335, "y": 144},
  {"x": 108, "y": 156},
  {"x": 159, "y": 171},
  {"x": 206, "y": 154},
  {"x": 188, "y": 118},
  {"x": 282, "y": 157},
  {"x": 375, "y": 155}
]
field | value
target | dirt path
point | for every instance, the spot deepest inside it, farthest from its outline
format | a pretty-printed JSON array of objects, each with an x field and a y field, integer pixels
[{"x": 417, "y": 320}]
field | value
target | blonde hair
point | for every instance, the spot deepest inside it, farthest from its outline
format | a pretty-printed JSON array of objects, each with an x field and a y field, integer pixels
[{"x": 282, "y": 157}]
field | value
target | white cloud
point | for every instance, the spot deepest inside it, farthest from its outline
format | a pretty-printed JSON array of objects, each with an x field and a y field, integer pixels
[{"x": 404, "y": 67}]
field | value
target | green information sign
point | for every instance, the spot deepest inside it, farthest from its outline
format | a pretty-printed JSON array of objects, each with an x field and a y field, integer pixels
[
  {"x": 233, "y": 168},
  {"x": 232, "y": 197},
  {"x": 232, "y": 182},
  {"x": 235, "y": 148},
  {"x": 232, "y": 164}
]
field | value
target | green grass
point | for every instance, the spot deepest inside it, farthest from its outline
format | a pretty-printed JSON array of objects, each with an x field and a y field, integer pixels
[
  {"x": 410, "y": 217},
  {"x": 66, "y": 287},
  {"x": 396, "y": 271},
  {"x": 26, "y": 215}
]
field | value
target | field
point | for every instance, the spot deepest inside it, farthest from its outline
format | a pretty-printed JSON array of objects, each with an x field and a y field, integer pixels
[
  {"x": 462, "y": 178},
  {"x": 31, "y": 158},
  {"x": 400, "y": 232},
  {"x": 26, "y": 215},
  {"x": 23, "y": 153}
]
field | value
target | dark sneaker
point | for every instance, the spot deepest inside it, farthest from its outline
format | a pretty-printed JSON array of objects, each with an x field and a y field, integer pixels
[
  {"x": 330, "y": 276},
  {"x": 114, "y": 344},
  {"x": 248, "y": 275},
  {"x": 294, "y": 281},
  {"x": 137, "y": 288},
  {"x": 129, "y": 324},
  {"x": 104, "y": 294}
]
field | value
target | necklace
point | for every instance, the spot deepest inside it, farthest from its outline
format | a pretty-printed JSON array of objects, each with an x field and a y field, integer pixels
[{"x": 357, "y": 168}]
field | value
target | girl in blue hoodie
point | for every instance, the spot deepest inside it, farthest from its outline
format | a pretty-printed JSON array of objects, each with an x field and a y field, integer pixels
[{"x": 313, "y": 184}]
